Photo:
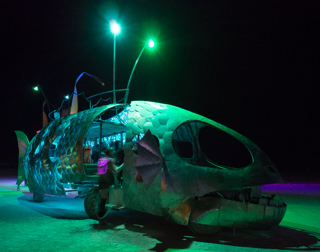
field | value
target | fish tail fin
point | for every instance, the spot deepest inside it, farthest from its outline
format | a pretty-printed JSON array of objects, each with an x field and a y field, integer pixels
[{"x": 23, "y": 143}]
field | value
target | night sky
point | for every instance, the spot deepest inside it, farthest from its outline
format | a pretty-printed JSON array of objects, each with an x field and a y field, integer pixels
[{"x": 250, "y": 65}]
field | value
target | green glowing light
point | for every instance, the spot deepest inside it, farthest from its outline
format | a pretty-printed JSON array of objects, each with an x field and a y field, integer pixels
[
  {"x": 36, "y": 88},
  {"x": 115, "y": 27},
  {"x": 151, "y": 43},
  {"x": 67, "y": 97}
]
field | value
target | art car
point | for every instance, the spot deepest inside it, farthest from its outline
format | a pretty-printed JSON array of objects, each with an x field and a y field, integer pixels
[{"x": 195, "y": 171}]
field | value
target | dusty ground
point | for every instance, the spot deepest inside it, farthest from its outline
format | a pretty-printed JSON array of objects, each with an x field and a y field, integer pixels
[{"x": 61, "y": 224}]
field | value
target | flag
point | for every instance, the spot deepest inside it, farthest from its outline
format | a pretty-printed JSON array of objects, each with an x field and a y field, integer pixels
[
  {"x": 74, "y": 105},
  {"x": 44, "y": 116}
]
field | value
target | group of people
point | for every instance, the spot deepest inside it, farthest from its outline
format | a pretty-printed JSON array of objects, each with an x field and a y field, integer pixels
[
  {"x": 118, "y": 152},
  {"x": 109, "y": 165}
]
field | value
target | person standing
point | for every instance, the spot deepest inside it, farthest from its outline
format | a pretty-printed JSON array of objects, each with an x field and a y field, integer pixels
[{"x": 107, "y": 169}]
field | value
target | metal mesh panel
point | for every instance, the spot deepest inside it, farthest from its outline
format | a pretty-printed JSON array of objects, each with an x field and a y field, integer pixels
[{"x": 47, "y": 175}]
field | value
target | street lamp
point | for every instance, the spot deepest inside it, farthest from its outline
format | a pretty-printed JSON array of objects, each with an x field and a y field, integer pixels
[
  {"x": 150, "y": 43},
  {"x": 115, "y": 29}
]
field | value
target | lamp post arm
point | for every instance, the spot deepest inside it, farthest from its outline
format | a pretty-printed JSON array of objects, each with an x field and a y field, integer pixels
[
  {"x": 134, "y": 67},
  {"x": 47, "y": 101}
]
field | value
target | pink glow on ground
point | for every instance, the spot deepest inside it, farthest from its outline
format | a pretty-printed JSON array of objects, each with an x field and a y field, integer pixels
[{"x": 293, "y": 188}]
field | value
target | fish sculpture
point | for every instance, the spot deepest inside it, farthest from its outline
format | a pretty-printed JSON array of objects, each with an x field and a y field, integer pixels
[{"x": 193, "y": 171}]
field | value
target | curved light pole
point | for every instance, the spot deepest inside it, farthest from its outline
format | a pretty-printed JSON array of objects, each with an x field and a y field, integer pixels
[
  {"x": 150, "y": 43},
  {"x": 44, "y": 116},
  {"x": 115, "y": 29},
  {"x": 37, "y": 88}
]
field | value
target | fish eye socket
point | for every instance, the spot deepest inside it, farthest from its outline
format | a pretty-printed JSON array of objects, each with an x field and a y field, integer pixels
[
  {"x": 209, "y": 145},
  {"x": 183, "y": 149},
  {"x": 222, "y": 148}
]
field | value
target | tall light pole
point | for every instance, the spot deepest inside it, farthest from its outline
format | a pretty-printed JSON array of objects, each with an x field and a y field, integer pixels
[
  {"x": 150, "y": 43},
  {"x": 115, "y": 29}
]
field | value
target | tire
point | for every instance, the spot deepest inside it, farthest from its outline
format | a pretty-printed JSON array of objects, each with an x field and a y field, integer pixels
[
  {"x": 90, "y": 202},
  {"x": 38, "y": 197}
]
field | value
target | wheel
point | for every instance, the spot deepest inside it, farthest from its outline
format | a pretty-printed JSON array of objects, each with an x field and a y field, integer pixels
[
  {"x": 38, "y": 197},
  {"x": 90, "y": 202}
]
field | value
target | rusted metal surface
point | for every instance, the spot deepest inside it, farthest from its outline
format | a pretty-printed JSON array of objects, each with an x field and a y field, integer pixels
[
  {"x": 189, "y": 180},
  {"x": 235, "y": 214}
]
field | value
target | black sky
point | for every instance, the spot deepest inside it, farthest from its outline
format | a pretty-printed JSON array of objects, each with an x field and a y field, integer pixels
[{"x": 250, "y": 65}]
